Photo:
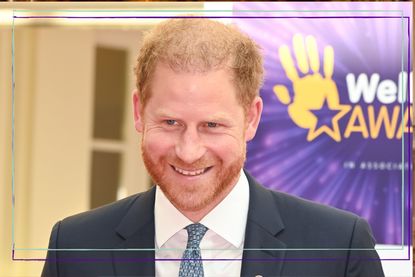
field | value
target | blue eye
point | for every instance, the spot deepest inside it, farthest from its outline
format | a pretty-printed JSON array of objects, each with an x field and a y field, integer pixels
[
  {"x": 212, "y": 124},
  {"x": 170, "y": 122}
]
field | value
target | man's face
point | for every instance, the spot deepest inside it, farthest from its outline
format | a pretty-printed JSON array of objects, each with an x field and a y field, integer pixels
[{"x": 194, "y": 135}]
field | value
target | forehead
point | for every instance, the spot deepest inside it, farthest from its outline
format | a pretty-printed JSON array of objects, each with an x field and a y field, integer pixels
[{"x": 193, "y": 90}]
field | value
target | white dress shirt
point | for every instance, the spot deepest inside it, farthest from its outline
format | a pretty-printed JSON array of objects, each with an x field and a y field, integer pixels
[{"x": 223, "y": 240}]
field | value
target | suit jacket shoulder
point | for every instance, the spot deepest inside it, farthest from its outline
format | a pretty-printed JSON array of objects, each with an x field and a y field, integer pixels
[
  {"x": 94, "y": 228},
  {"x": 312, "y": 239},
  {"x": 315, "y": 225},
  {"x": 99, "y": 242}
]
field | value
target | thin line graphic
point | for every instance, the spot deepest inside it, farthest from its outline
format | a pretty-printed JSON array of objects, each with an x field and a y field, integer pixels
[
  {"x": 210, "y": 17},
  {"x": 215, "y": 11},
  {"x": 218, "y": 17},
  {"x": 13, "y": 133}
]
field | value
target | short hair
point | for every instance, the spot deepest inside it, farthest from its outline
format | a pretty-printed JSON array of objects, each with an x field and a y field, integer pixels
[{"x": 201, "y": 45}]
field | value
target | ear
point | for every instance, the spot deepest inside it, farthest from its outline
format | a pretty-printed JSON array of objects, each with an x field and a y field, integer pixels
[
  {"x": 253, "y": 117},
  {"x": 138, "y": 121}
]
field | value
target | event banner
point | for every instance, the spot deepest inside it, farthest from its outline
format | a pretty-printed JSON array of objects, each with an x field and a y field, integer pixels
[{"x": 336, "y": 126}]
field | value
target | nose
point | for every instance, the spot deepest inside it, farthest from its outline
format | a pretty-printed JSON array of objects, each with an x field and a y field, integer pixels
[{"x": 189, "y": 147}]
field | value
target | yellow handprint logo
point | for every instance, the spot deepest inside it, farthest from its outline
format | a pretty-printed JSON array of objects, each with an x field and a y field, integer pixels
[{"x": 311, "y": 91}]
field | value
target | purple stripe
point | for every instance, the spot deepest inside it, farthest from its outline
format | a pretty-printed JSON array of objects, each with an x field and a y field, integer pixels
[
  {"x": 243, "y": 17},
  {"x": 409, "y": 140},
  {"x": 161, "y": 260},
  {"x": 271, "y": 259}
]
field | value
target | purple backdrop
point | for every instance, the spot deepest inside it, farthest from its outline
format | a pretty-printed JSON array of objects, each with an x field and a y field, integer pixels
[{"x": 357, "y": 166}]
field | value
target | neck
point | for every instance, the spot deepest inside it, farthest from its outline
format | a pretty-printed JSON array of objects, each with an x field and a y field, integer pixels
[{"x": 198, "y": 215}]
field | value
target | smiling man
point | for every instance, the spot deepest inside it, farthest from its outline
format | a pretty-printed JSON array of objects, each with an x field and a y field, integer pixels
[
  {"x": 196, "y": 105},
  {"x": 194, "y": 136}
]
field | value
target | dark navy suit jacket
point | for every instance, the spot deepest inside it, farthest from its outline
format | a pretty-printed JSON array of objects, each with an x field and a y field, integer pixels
[{"x": 285, "y": 236}]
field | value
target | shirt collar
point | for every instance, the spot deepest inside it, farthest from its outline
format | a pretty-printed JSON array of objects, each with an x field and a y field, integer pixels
[
  {"x": 227, "y": 219},
  {"x": 167, "y": 219}
]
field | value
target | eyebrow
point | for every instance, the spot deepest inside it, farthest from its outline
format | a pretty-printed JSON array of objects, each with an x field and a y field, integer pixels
[
  {"x": 210, "y": 118},
  {"x": 218, "y": 119}
]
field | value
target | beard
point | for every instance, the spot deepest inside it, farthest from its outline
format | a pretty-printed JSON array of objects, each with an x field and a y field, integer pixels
[{"x": 197, "y": 195}]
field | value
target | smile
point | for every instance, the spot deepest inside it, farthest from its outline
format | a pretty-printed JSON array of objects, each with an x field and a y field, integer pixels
[{"x": 190, "y": 172}]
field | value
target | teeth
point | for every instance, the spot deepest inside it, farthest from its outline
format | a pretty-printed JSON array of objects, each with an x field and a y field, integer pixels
[{"x": 190, "y": 173}]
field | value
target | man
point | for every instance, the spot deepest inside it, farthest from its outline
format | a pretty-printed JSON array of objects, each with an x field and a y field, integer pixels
[{"x": 196, "y": 105}]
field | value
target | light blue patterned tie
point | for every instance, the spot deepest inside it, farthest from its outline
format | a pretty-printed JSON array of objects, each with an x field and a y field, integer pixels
[{"x": 191, "y": 265}]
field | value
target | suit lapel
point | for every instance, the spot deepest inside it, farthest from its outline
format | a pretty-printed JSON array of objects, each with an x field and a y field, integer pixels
[
  {"x": 137, "y": 231},
  {"x": 261, "y": 236},
  {"x": 263, "y": 251}
]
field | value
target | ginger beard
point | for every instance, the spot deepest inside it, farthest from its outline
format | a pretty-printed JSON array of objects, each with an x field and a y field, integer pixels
[{"x": 194, "y": 197}]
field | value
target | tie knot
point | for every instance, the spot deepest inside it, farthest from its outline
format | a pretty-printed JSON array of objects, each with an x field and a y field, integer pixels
[{"x": 195, "y": 234}]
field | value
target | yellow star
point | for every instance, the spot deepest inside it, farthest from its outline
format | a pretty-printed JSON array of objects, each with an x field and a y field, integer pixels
[{"x": 333, "y": 133}]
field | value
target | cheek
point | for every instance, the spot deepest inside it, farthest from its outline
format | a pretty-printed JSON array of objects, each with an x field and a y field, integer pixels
[
  {"x": 157, "y": 145},
  {"x": 227, "y": 149}
]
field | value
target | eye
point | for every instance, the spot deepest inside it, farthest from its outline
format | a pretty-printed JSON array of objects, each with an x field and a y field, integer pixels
[
  {"x": 212, "y": 124},
  {"x": 171, "y": 122}
]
